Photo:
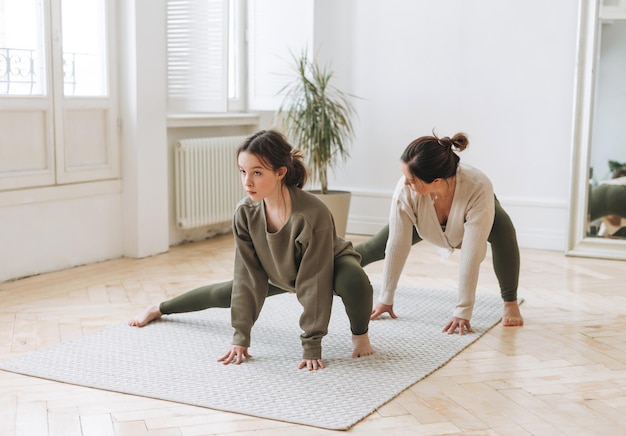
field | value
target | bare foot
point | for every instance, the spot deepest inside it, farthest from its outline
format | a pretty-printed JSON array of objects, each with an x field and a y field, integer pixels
[
  {"x": 362, "y": 346},
  {"x": 145, "y": 317},
  {"x": 512, "y": 316}
]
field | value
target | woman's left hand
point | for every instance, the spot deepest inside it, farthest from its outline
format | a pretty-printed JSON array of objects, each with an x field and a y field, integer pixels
[
  {"x": 462, "y": 324},
  {"x": 311, "y": 364}
]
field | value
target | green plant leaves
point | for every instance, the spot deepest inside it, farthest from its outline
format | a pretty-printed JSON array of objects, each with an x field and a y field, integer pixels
[{"x": 316, "y": 117}]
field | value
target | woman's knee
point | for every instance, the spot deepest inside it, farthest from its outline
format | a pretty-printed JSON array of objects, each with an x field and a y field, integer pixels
[
  {"x": 373, "y": 249},
  {"x": 350, "y": 276}
]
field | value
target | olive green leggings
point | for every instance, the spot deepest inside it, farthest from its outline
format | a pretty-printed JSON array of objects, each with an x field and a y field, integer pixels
[
  {"x": 504, "y": 248},
  {"x": 350, "y": 283},
  {"x": 607, "y": 200}
]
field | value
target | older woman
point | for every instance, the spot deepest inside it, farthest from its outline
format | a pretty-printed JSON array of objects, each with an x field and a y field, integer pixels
[{"x": 453, "y": 206}]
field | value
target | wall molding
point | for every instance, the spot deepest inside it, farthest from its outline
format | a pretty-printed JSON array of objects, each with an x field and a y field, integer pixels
[{"x": 20, "y": 197}]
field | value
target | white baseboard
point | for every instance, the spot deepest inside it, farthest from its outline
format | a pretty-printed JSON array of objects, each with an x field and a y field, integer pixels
[
  {"x": 543, "y": 239},
  {"x": 365, "y": 225}
]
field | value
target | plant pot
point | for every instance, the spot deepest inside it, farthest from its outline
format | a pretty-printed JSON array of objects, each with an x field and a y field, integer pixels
[{"x": 339, "y": 204}]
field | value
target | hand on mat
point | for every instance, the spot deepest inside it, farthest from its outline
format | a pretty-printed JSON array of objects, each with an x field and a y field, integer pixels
[
  {"x": 462, "y": 324},
  {"x": 235, "y": 355},
  {"x": 311, "y": 364},
  {"x": 380, "y": 308}
]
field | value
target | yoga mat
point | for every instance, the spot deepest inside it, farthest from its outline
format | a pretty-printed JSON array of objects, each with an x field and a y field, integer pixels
[{"x": 175, "y": 359}]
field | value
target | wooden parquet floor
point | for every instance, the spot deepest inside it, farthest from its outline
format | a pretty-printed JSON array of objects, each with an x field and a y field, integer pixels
[{"x": 563, "y": 373}]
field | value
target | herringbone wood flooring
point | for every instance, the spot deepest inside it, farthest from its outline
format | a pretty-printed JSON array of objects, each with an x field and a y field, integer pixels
[{"x": 564, "y": 372}]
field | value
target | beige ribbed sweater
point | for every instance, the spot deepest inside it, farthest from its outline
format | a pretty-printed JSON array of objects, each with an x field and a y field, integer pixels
[{"x": 468, "y": 227}]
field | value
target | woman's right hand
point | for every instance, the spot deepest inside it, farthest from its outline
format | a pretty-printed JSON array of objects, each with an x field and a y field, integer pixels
[
  {"x": 380, "y": 308},
  {"x": 236, "y": 354}
]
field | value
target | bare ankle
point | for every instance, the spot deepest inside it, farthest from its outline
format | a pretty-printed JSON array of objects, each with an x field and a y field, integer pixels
[
  {"x": 512, "y": 317},
  {"x": 362, "y": 346},
  {"x": 145, "y": 317}
]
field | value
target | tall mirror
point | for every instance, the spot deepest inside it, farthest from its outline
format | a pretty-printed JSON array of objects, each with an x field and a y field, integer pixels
[{"x": 598, "y": 201}]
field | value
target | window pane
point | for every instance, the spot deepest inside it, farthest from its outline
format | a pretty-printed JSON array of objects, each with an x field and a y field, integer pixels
[
  {"x": 84, "y": 47},
  {"x": 197, "y": 63},
  {"x": 22, "y": 56}
]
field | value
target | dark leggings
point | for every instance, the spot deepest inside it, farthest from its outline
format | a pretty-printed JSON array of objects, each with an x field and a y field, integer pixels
[
  {"x": 350, "y": 283},
  {"x": 607, "y": 200},
  {"x": 504, "y": 248}
]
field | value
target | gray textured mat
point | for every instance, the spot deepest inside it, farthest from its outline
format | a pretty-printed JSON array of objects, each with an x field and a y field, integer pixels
[{"x": 175, "y": 359}]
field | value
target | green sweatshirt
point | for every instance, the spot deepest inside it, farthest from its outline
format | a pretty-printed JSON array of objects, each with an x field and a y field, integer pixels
[{"x": 299, "y": 258}]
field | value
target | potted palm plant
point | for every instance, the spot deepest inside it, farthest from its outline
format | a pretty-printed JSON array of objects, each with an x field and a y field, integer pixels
[{"x": 316, "y": 117}]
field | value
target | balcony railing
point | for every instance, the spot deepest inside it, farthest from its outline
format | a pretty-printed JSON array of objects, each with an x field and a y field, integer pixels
[
  {"x": 20, "y": 71},
  {"x": 17, "y": 71}
]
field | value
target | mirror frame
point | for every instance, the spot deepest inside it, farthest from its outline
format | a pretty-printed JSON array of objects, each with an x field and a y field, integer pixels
[{"x": 579, "y": 244}]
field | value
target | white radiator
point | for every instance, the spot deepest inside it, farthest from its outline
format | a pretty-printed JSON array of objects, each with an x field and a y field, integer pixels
[{"x": 207, "y": 182}]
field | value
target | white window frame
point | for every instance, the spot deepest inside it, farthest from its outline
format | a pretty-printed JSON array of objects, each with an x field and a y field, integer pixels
[
  {"x": 63, "y": 163},
  {"x": 238, "y": 51}
]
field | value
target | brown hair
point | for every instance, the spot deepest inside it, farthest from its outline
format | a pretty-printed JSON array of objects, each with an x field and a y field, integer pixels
[
  {"x": 431, "y": 157},
  {"x": 274, "y": 151}
]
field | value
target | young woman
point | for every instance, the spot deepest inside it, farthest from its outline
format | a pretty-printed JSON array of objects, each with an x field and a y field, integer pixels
[
  {"x": 285, "y": 242},
  {"x": 452, "y": 206}
]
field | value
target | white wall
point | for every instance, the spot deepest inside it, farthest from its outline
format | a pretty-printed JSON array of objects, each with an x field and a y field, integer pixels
[
  {"x": 41, "y": 231},
  {"x": 501, "y": 71}
]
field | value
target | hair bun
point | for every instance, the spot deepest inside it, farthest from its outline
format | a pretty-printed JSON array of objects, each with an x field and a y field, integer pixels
[
  {"x": 460, "y": 141},
  {"x": 297, "y": 154}
]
